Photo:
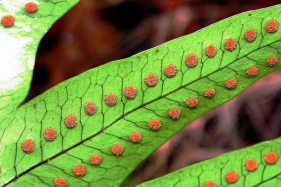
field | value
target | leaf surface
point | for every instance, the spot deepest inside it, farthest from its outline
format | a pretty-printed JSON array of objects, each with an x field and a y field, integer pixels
[{"x": 95, "y": 134}]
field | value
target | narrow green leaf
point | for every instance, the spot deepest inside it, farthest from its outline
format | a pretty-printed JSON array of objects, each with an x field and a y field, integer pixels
[
  {"x": 19, "y": 45},
  {"x": 95, "y": 134},
  {"x": 216, "y": 169}
]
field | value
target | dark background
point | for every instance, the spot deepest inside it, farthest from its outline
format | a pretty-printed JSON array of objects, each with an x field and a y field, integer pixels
[{"x": 98, "y": 31}]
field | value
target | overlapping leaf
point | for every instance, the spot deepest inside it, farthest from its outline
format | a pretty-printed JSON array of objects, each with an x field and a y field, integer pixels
[
  {"x": 18, "y": 46},
  {"x": 113, "y": 124}
]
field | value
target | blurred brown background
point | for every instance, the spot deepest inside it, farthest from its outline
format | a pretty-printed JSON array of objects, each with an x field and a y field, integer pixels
[{"x": 98, "y": 31}]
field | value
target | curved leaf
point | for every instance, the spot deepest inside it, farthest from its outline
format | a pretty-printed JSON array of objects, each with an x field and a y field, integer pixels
[
  {"x": 95, "y": 134},
  {"x": 19, "y": 45},
  {"x": 217, "y": 168}
]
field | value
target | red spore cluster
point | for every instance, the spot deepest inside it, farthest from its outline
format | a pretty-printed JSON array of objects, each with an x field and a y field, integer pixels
[
  {"x": 60, "y": 182},
  {"x": 90, "y": 108},
  {"x": 50, "y": 134},
  {"x": 96, "y": 159},
  {"x": 191, "y": 60},
  {"x": 70, "y": 121},
  {"x": 28, "y": 145},
  {"x": 130, "y": 92},
  {"x": 117, "y": 149},
  {"x": 110, "y": 99},
  {"x": 135, "y": 136},
  {"x": 7, "y": 20},
  {"x": 151, "y": 79},
  {"x": 170, "y": 70},
  {"x": 79, "y": 170},
  {"x": 31, "y": 7}
]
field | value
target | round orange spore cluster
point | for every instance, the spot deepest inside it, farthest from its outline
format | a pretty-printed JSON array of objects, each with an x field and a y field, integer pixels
[
  {"x": 135, "y": 136},
  {"x": 154, "y": 124},
  {"x": 117, "y": 149},
  {"x": 90, "y": 108},
  {"x": 151, "y": 79},
  {"x": 96, "y": 159},
  {"x": 250, "y": 35},
  {"x": 251, "y": 164},
  {"x": 210, "y": 92},
  {"x": 79, "y": 170},
  {"x": 31, "y": 7},
  {"x": 60, "y": 182},
  {"x": 271, "y": 157},
  {"x": 231, "y": 176},
  {"x": 70, "y": 121},
  {"x": 174, "y": 113},
  {"x": 50, "y": 134},
  {"x": 170, "y": 70},
  {"x": 272, "y": 61},
  {"x": 211, "y": 51},
  {"x": 7, "y": 20},
  {"x": 231, "y": 83},
  {"x": 110, "y": 99},
  {"x": 230, "y": 44},
  {"x": 210, "y": 183},
  {"x": 130, "y": 92},
  {"x": 191, "y": 60},
  {"x": 192, "y": 102},
  {"x": 252, "y": 71},
  {"x": 28, "y": 145},
  {"x": 271, "y": 26}
]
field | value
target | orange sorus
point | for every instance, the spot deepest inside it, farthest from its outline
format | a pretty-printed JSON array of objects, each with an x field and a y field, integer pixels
[
  {"x": 251, "y": 164},
  {"x": 79, "y": 170},
  {"x": 170, "y": 70},
  {"x": 252, "y": 71},
  {"x": 231, "y": 83},
  {"x": 110, "y": 99},
  {"x": 7, "y": 20},
  {"x": 174, "y": 113},
  {"x": 90, "y": 108},
  {"x": 272, "y": 61},
  {"x": 191, "y": 60},
  {"x": 130, "y": 92},
  {"x": 60, "y": 182},
  {"x": 230, "y": 44},
  {"x": 96, "y": 159},
  {"x": 151, "y": 79},
  {"x": 135, "y": 136},
  {"x": 210, "y": 92},
  {"x": 50, "y": 134},
  {"x": 154, "y": 124},
  {"x": 250, "y": 35},
  {"x": 31, "y": 7},
  {"x": 117, "y": 149},
  {"x": 192, "y": 102},
  {"x": 231, "y": 176},
  {"x": 211, "y": 51},
  {"x": 210, "y": 183},
  {"x": 28, "y": 145},
  {"x": 271, "y": 157},
  {"x": 70, "y": 121},
  {"x": 271, "y": 26}
]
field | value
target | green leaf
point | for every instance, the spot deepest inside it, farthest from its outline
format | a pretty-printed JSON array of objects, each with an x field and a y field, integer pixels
[
  {"x": 19, "y": 45},
  {"x": 217, "y": 168},
  {"x": 95, "y": 134}
]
